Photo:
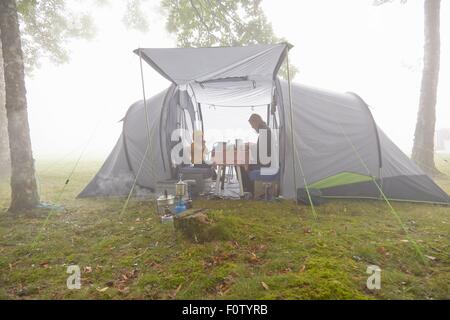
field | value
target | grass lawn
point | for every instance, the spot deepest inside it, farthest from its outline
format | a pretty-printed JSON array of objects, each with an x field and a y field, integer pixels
[{"x": 263, "y": 250}]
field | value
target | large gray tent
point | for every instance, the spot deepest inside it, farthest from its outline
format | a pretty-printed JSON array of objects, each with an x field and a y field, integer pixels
[{"x": 334, "y": 145}]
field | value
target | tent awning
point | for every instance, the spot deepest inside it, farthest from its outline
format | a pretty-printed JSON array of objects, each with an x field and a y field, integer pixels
[{"x": 185, "y": 65}]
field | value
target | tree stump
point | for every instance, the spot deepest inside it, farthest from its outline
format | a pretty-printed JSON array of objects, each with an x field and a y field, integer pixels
[{"x": 194, "y": 224}]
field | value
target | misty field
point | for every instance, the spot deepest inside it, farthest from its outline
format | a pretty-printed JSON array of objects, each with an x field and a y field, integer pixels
[{"x": 262, "y": 250}]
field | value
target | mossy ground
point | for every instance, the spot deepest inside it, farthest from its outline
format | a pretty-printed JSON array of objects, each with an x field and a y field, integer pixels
[{"x": 265, "y": 250}]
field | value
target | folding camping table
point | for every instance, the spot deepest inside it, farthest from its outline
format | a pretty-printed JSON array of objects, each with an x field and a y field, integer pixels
[
  {"x": 221, "y": 158},
  {"x": 220, "y": 181}
]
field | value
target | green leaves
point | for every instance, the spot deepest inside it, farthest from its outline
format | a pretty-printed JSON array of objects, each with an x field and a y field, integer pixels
[
  {"x": 205, "y": 23},
  {"x": 213, "y": 23},
  {"x": 134, "y": 17}
]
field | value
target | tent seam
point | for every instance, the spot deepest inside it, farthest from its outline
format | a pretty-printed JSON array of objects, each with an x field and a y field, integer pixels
[{"x": 380, "y": 157}]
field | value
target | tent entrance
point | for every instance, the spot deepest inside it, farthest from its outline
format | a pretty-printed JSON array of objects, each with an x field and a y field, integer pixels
[
  {"x": 234, "y": 99},
  {"x": 220, "y": 114}
]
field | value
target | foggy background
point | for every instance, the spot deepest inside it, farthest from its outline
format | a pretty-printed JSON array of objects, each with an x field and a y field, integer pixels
[{"x": 347, "y": 45}]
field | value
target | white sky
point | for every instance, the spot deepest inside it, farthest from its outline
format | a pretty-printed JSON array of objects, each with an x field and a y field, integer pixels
[{"x": 346, "y": 45}]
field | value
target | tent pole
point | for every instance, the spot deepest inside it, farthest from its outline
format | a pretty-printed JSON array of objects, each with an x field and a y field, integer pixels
[
  {"x": 125, "y": 206},
  {"x": 292, "y": 124},
  {"x": 294, "y": 151},
  {"x": 144, "y": 96}
]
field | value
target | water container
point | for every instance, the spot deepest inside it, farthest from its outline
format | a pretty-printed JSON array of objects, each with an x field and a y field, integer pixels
[{"x": 181, "y": 207}]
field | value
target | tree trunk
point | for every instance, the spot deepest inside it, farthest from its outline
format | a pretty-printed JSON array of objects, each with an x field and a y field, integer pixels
[
  {"x": 5, "y": 168},
  {"x": 423, "y": 150},
  {"x": 24, "y": 193}
]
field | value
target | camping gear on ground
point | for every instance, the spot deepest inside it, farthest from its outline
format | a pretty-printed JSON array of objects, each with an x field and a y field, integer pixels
[
  {"x": 190, "y": 186},
  {"x": 327, "y": 141},
  {"x": 180, "y": 189},
  {"x": 265, "y": 190},
  {"x": 180, "y": 194},
  {"x": 188, "y": 202},
  {"x": 165, "y": 204},
  {"x": 268, "y": 179},
  {"x": 167, "y": 219},
  {"x": 202, "y": 174},
  {"x": 180, "y": 207},
  {"x": 165, "y": 186},
  {"x": 315, "y": 196}
]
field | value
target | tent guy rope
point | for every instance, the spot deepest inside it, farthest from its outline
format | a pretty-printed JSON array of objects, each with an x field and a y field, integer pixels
[
  {"x": 393, "y": 211},
  {"x": 294, "y": 150},
  {"x": 125, "y": 206},
  {"x": 66, "y": 183}
]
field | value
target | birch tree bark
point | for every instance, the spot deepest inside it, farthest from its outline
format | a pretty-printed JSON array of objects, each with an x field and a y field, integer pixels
[{"x": 423, "y": 149}]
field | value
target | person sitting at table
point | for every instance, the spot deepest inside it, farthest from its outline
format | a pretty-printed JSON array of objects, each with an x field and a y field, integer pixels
[{"x": 259, "y": 125}]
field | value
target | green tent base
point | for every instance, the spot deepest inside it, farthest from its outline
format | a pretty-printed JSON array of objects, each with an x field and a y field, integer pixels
[
  {"x": 389, "y": 199},
  {"x": 340, "y": 179}
]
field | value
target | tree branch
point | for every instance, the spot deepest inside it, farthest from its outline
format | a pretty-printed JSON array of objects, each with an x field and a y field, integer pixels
[{"x": 202, "y": 20}]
